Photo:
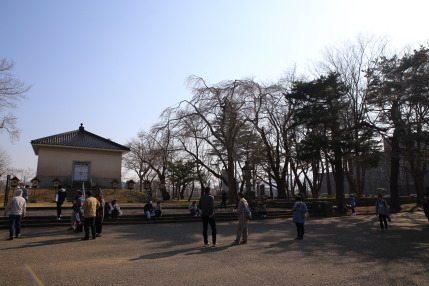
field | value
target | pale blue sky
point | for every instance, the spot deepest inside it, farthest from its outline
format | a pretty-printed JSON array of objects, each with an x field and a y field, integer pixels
[{"x": 115, "y": 65}]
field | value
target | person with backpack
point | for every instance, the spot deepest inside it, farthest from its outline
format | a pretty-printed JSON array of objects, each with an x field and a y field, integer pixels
[
  {"x": 243, "y": 214},
  {"x": 382, "y": 210},
  {"x": 299, "y": 209}
]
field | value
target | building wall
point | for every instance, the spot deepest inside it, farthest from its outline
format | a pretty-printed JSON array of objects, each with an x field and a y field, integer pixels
[{"x": 57, "y": 162}]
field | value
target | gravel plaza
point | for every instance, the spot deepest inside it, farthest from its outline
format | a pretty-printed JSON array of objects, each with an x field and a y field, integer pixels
[{"x": 335, "y": 251}]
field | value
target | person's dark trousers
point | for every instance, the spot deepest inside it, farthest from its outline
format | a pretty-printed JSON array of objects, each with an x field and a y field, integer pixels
[
  {"x": 14, "y": 225},
  {"x": 59, "y": 204},
  {"x": 87, "y": 224},
  {"x": 300, "y": 229},
  {"x": 223, "y": 204},
  {"x": 98, "y": 225},
  {"x": 209, "y": 220},
  {"x": 383, "y": 220}
]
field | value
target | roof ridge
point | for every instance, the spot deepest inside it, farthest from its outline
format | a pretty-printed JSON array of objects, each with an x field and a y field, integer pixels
[{"x": 79, "y": 138}]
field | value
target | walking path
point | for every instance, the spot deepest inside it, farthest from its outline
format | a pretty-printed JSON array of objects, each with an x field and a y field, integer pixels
[{"x": 335, "y": 251}]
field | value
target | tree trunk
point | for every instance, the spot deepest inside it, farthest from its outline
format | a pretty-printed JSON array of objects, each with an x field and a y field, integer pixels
[
  {"x": 394, "y": 172},
  {"x": 339, "y": 177}
]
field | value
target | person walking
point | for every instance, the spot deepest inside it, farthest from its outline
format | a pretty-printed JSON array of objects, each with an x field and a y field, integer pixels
[
  {"x": 243, "y": 221},
  {"x": 61, "y": 197},
  {"x": 299, "y": 209},
  {"x": 16, "y": 209},
  {"x": 99, "y": 215},
  {"x": 382, "y": 210},
  {"x": 90, "y": 207},
  {"x": 206, "y": 205}
]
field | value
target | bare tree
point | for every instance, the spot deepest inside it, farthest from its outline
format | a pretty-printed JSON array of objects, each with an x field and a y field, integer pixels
[
  {"x": 24, "y": 175},
  {"x": 222, "y": 113},
  {"x": 351, "y": 60},
  {"x": 4, "y": 162},
  {"x": 11, "y": 92},
  {"x": 136, "y": 160}
]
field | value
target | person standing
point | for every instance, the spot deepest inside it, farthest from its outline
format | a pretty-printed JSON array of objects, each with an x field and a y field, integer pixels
[
  {"x": 89, "y": 212},
  {"x": 99, "y": 216},
  {"x": 223, "y": 202},
  {"x": 25, "y": 192},
  {"x": 352, "y": 203},
  {"x": 299, "y": 209},
  {"x": 382, "y": 210},
  {"x": 206, "y": 205},
  {"x": 243, "y": 221},
  {"x": 78, "y": 211},
  {"x": 16, "y": 209},
  {"x": 61, "y": 197}
]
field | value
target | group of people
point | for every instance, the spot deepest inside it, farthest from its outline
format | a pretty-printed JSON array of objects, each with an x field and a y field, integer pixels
[
  {"x": 207, "y": 207},
  {"x": 152, "y": 211},
  {"x": 88, "y": 214}
]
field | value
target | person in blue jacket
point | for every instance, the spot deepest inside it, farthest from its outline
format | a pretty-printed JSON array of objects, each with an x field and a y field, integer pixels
[
  {"x": 299, "y": 209},
  {"x": 352, "y": 203}
]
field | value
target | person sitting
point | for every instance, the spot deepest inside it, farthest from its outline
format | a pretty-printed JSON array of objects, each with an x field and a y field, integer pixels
[
  {"x": 148, "y": 210},
  {"x": 193, "y": 209},
  {"x": 115, "y": 209},
  {"x": 158, "y": 209},
  {"x": 263, "y": 210}
]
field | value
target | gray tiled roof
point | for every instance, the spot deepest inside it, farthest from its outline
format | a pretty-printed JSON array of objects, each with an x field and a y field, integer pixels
[{"x": 79, "y": 138}]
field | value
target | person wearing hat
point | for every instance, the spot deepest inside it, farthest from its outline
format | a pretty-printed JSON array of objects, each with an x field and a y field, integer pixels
[
  {"x": 148, "y": 210},
  {"x": 16, "y": 209}
]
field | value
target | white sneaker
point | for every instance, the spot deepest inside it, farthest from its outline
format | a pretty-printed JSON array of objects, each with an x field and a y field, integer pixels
[{"x": 207, "y": 245}]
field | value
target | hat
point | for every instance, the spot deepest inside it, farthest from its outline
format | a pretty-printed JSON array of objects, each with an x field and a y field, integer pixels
[{"x": 150, "y": 202}]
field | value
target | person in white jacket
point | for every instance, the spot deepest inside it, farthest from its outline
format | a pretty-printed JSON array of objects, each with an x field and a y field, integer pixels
[{"x": 16, "y": 209}]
